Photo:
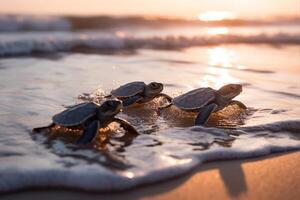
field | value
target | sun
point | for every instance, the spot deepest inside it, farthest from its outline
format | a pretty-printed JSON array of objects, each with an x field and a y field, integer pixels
[{"x": 216, "y": 16}]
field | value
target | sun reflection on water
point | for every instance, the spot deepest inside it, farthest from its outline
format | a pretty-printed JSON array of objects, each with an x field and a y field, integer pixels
[
  {"x": 217, "y": 73},
  {"x": 222, "y": 57},
  {"x": 218, "y": 31}
]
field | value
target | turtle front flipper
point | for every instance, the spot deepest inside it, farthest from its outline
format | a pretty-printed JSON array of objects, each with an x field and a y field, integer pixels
[
  {"x": 131, "y": 100},
  {"x": 70, "y": 106},
  {"x": 126, "y": 125},
  {"x": 108, "y": 96},
  {"x": 89, "y": 132},
  {"x": 165, "y": 96},
  {"x": 240, "y": 104},
  {"x": 204, "y": 114},
  {"x": 38, "y": 129}
]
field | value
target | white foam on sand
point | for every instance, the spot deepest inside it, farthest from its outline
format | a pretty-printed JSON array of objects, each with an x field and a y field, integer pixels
[{"x": 150, "y": 158}]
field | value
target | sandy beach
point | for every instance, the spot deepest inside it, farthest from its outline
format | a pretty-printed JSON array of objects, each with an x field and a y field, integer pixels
[
  {"x": 136, "y": 99},
  {"x": 272, "y": 177}
]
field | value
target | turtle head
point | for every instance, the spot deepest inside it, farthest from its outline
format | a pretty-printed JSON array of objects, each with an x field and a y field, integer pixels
[
  {"x": 153, "y": 89},
  {"x": 230, "y": 91},
  {"x": 110, "y": 108}
]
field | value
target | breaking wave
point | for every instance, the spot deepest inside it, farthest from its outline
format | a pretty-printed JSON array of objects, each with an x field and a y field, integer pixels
[
  {"x": 32, "y": 23},
  {"x": 81, "y": 42},
  {"x": 173, "y": 152}
]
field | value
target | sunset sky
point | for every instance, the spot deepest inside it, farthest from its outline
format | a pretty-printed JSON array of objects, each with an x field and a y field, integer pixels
[{"x": 171, "y": 8}]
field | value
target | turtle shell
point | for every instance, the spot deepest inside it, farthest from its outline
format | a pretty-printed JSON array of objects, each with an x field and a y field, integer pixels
[
  {"x": 129, "y": 89},
  {"x": 76, "y": 115},
  {"x": 194, "y": 99}
]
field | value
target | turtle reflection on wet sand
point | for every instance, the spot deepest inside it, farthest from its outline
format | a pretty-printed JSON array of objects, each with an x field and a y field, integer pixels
[
  {"x": 90, "y": 117},
  {"x": 205, "y": 101},
  {"x": 138, "y": 92}
]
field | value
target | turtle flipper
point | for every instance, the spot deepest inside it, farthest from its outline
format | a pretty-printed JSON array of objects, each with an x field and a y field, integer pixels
[
  {"x": 38, "y": 129},
  {"x": 89, "y": 132},
  {"x": 240, "y": 104},
  {"x": 165, "y": 96},
  {"x": 126, "y": 125},
  {"x": 131, "y": 100},
  {"x": 204, "y": 114},
  {"x": 73, "y": 106},
  {"x": 108, "y": 96},
  {"x": 70, "y": 106}
]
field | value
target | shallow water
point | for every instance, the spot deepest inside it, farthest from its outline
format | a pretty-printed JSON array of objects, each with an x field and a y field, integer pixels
[{"x": 35, "y": 87}]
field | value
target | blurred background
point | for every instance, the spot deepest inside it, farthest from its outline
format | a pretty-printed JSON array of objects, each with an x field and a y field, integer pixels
[{"x": 189, "y": 9}]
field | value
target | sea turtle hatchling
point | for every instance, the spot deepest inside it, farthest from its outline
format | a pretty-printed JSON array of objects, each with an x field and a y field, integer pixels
[
  {"x": 205, "y": 101},
  {"x": 90, "y": 117},
  {"x": 138, "y": 92}
]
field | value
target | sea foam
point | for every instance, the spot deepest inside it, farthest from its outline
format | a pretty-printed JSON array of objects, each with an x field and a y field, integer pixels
[
  {"x": 151, "y": 158},
  {"x": 26, "y": 44},
  {"x": 12, "y": 23}
]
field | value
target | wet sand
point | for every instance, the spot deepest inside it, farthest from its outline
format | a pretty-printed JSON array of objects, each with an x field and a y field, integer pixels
[{"x": 272, "y": 177}]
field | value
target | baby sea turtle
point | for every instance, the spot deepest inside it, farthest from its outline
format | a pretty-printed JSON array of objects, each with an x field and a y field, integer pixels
[
  {"x": 138, "y": 92},
  {"x": 207, "y": 100},
  {"x": 90, "y": 117}
]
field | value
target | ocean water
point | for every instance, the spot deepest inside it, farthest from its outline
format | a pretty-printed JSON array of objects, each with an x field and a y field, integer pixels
[{"x": 47, "y": 63}]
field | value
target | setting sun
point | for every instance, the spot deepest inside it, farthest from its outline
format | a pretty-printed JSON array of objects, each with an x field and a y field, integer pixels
[{"x": 216, "y": 16}]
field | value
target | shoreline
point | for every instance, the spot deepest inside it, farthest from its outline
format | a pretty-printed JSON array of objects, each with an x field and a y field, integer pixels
[{"x": 275, "y": 176}]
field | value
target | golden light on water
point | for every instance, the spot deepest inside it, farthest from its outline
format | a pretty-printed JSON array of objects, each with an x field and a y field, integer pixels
[
  {"x": 216, "y": 16},
  {"x": 221, "y": 56},
  {"x": 218, "y": 74},
  {"x": 218, "y": 31},
  {"x": 120, "y": 34}
]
